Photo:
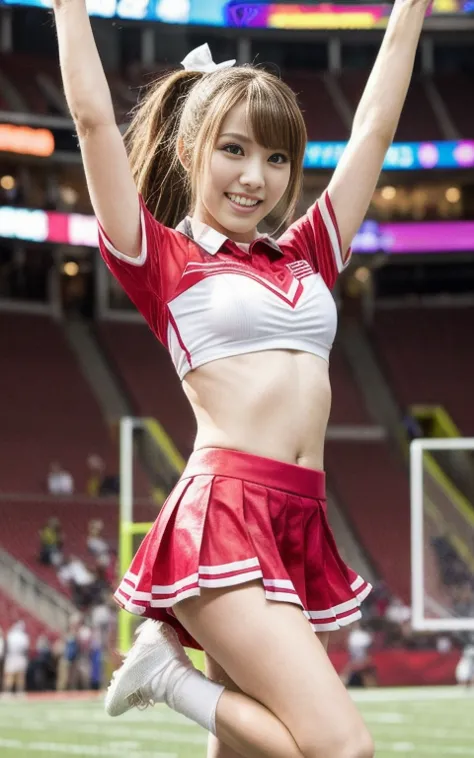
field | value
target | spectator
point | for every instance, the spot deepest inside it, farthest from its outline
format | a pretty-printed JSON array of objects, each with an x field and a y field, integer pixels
[
  {"x": 95, "y": 542},
  {"x": 96, "y": 467},
  {"x": 397, "y": 612},
  {"x": 60, "y": 481},
  {"x": 99, "y": 482},
  {"x": 41, "y": 673},
  {"x": 101, "y": 618},
  {"x": 69, "y": 655},
  {"x": 75, "y": 575},
  {"x": 465, "y": 667},
  {"x": 2, "y": 653},
  {"x": 16, "y": 658},
  {"x": 51, "y": 543},
  {"x": 360, "y": 670}
]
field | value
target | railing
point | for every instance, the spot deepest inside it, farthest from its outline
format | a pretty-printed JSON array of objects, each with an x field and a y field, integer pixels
[{"x": 31, "y": 593}]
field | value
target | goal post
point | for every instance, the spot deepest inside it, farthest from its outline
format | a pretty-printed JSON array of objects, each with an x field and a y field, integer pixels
[
  {"x": 146, "y": 437},
  {"x": 442, "y": 530}
]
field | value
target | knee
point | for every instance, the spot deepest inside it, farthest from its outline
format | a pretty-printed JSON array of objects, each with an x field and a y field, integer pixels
[
  {"x": 361, "y": 746},
  {"x": 355, "y": 745}
]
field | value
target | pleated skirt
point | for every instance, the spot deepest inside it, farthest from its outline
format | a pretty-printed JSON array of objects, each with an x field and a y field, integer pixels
[{"x": 234, "y": 518}]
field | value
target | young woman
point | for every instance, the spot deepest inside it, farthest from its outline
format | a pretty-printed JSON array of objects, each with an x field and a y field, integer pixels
[{"x": 241, "y": 561}]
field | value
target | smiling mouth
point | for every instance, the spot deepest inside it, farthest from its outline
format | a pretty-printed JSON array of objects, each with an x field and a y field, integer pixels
[{"x": 244, "y": 204}]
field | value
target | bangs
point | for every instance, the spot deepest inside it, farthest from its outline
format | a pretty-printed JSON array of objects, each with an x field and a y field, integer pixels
[
  {"x": 272, "y": 113},
  {"x": 275, "y": 118}
]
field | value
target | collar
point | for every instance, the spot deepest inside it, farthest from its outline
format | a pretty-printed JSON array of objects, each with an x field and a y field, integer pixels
[{"x": 212, "y": 241}]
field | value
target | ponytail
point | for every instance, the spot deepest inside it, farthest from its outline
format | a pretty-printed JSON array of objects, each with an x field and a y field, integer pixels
[{"x": 151, "y": 142}]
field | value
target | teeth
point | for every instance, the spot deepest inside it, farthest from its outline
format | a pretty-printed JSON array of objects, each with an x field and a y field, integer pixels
[{"x": 242, "y": 200}]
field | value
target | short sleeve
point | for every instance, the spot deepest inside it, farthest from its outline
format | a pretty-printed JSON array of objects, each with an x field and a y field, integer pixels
[
  {"x": 141, "y": 273},
  {"x": 148, "y": 278},
  {"x": 315, "y": 237}
]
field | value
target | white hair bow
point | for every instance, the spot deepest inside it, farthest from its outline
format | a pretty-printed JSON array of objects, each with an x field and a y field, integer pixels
[{"x": 200, "y": 59}]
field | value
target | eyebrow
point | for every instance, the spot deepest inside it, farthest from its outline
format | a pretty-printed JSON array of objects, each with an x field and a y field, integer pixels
[{"x": 236, "y": 135}]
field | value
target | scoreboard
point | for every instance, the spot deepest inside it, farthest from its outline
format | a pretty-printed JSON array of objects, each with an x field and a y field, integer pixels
[{"x": 263, "y": 14}]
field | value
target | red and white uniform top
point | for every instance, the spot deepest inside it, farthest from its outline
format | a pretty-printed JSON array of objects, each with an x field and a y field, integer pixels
[{"x": 206, "y": 297}]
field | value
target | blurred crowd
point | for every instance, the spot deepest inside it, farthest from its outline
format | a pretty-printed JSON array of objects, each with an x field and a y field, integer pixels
[
  {"x": 77, "y": 659},
  {"x": 100, "y": 482},
  {"x": 74, "y": 661}
]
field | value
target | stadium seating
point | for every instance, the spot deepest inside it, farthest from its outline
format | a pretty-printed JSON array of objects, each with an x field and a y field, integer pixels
[
  {"x": 453, "y": 88},
  {"x": 323, "y": 121},
  {"x": 418, "y": 120},
  {"x": 428, "y": 360},
  {"x": 371, "y": 485},
  {"x": 149, "y": 379},
  {"x": 348, "y": 406},
  {"x": 22, "y": 542},
  {"x": 47, "y": 408},
  {"x": 21, "y": 72}
]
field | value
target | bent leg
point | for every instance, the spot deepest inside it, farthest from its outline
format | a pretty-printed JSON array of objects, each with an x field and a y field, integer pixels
[
  {"x": 215, "y": 747},
  {"x": 270, "y": 652}
]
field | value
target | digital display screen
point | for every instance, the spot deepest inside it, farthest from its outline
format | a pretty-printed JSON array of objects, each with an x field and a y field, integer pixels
[
  {"x": 401, "y": 156},
  {"x": 373, "y": 237},
  {"x": 258, "y": 14}
]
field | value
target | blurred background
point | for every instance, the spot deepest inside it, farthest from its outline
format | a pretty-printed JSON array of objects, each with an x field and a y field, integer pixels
[{"x": 76, "y": 357}]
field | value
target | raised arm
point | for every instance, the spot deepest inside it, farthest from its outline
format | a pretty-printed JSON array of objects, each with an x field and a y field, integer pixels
[
  {"x": 376, "y": 119},
  {"x": 111, "y": 187}
]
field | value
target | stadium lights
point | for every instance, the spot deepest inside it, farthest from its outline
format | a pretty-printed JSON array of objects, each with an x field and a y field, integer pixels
[
  {"x": 453, "y": 195},
  {"x": 388, "y": 193},
  {"x": 7, "y": 182},
  {"x": 25, "y": 140},
  {"x": 71, "y": 268}
]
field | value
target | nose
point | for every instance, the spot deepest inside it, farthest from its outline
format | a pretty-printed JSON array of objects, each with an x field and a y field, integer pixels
[{"x": 252, "y": 175}]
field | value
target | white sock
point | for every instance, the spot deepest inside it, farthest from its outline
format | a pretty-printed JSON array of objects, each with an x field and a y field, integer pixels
[{"x": 193, "y": 695}]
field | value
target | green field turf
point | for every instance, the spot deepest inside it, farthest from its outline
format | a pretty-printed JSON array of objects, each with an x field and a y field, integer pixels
[{"x": 415, "y": 722}]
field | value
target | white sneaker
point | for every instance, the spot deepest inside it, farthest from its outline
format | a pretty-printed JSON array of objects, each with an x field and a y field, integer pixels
[{"x": 156, "y": 651}]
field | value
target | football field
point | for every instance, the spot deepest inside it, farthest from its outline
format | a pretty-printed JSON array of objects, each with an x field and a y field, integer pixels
[{"x": 414, "y": 722}]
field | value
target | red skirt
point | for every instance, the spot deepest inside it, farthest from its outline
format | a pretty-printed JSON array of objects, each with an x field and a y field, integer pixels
[{"x": 234, "y": 518}]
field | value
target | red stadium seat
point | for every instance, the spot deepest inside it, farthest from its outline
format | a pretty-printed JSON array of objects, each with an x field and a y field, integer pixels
[
  {"x": 48, "y": 410},
  {"x": 348, "y": 406},
  {"x": 150, "y": 379},
  {"x": 372, "y": 487},
  {"x": 427, "y": 358}
]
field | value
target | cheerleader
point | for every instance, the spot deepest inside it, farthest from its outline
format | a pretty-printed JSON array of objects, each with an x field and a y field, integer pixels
[{"x": 241, "y": 561}]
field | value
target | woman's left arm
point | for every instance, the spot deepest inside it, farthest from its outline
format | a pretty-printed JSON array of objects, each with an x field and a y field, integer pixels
[{"x": 376, "y": 119}]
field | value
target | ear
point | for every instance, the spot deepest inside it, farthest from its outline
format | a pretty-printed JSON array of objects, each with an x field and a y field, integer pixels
[{"x": 182, "y": 155}]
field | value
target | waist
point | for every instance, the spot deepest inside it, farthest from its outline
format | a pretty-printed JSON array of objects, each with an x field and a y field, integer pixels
[{"x": 268, "y": 472}]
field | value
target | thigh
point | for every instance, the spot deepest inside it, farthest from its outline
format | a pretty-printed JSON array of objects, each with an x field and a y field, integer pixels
[
  {"x": 215, "y": 747},
  {"x": 270, "y": 652}
]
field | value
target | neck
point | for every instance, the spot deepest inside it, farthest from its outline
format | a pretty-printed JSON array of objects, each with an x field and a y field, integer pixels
[{"x": 201, "y": 216}]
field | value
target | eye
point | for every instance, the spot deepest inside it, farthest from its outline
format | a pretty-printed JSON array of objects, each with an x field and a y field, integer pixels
[
  {"x": 279, "y": 158},
  {"x": 233, "y": 149}
]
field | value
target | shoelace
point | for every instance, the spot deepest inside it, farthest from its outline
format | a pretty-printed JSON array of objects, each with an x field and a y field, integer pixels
[{"x": 136, "y": 700}]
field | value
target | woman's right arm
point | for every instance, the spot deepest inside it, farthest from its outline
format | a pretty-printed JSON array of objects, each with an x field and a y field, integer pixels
[{"x": 110, "y": 183}]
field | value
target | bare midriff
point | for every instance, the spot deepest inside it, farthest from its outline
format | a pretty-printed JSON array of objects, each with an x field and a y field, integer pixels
[{"x": 273, "y": 403}]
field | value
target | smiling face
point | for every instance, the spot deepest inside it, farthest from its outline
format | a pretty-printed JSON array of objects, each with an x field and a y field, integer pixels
[{"x": 243, "y": 181}]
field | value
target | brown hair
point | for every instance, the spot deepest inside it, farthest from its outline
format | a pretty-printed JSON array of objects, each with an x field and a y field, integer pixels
[{"x": 191, "y": 107}]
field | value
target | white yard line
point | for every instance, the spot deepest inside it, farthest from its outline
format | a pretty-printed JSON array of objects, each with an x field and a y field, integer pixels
[
  {"x": 411, "y": 747},
  {"x": 415, "y": 694},
  {"x": 156, "y": 735},
  {"x": 105, "y": 751}
]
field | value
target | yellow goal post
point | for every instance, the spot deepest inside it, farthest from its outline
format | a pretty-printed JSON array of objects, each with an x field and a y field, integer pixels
[{"x": 132, "y": 532}]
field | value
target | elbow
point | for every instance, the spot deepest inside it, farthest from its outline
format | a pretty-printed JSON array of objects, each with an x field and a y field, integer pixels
[
  {"x": 377, "y": 131},
  {"x": 86, "y": 123}
]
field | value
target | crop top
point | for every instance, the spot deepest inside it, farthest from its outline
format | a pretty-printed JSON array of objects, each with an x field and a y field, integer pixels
[{"x": 205, "y": 297}]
